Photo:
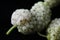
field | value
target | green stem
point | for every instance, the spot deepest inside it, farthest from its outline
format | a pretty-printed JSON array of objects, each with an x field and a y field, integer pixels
[
  {"x": 42, "y": 35},
  {"x": 8, "y": 32}
]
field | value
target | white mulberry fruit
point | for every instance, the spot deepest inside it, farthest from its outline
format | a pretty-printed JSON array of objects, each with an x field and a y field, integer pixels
[
  {"x": 42, "y": 14},
  {"x": 25, "y": 21},
  {"x": 54, "y": 30}
]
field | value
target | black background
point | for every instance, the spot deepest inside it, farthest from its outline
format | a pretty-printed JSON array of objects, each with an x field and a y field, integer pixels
[{"x": 6, "y": 10}]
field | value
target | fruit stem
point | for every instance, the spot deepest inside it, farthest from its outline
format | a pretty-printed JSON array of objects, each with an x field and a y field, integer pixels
[
  {"x": 42, "y": 35},
  {"x": 8, "y": 32}
]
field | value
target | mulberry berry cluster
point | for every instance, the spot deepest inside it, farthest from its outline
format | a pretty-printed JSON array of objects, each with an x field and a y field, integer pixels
[{"x": 36, "y": 19}]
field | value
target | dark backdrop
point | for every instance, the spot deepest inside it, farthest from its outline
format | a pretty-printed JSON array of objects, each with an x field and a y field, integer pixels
[{"x": 6, "y": 10}]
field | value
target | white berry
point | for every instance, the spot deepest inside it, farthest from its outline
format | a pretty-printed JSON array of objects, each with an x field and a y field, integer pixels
[
  {"x": 25, "y": 21},
  {"x": 42, "y": 14},
  {"x": 54, "y": 30}
]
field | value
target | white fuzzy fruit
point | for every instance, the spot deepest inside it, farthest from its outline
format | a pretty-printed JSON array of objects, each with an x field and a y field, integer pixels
[
  {"x": 52, "y": 3},
  {"x": 42, "y": 14},
  {"x": 25, "y": 21},
  {"x": 54, "y": 30}
]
